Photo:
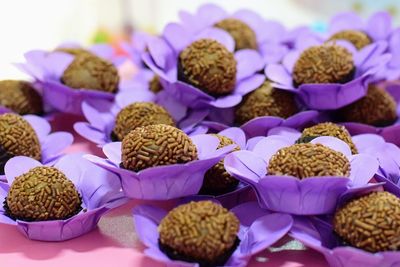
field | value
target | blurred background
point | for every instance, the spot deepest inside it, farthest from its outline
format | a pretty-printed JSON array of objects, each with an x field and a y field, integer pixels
[{"x": 44, "y": 24}]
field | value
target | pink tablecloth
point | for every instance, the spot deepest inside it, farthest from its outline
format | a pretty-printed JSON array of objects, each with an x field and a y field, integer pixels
[{"x": 114, "y": 242}]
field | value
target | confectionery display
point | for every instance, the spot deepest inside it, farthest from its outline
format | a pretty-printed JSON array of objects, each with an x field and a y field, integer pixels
[{"x": 228, "y": 134}]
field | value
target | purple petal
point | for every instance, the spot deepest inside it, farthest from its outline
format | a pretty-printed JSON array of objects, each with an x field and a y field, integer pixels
[
  {"x": 248, "y": 62},
  {"x": 113, "y": 152},
  {"x": 105, "y": 51},
  {"x": 268, "y": 146},
  {"x": 126, "y": 98},
  {"x": 17, "y": 166},
  {"x": 226, "y": 101},
  {"x": 345, "y": 21},
  {"x": 246, "y": 166},
  {"x": 176, "y": 36},
  {"x": 159, "y": 51},
  {"x": 249, "y": 84},
  {"x": 302, "y": 119},
  {"x": 248, "y": 212},
  {"x": 73, "y": 165},
  {"x": 364, "y": 141},
  {"x": 363, "y": 168},
  {"x": 278, "y": 74},
  {"x": 256, "y": 23},
  {"x": 218, "y": 35},
  {"x": 93, "y": 115},
  {"x": 54, "y": 144},
  {"x": 273, "y": 52},
  {"x": 211, "y": 13},
  {"x": 379, "y": 26},
  {"x": 206, "y": 145},
  {"x": 290, "y": 60},
  {"x": 260, "y": 126},
  {"x": 94, "y": 135},
  {"x": 333, "y": 143},
  {"x": 236, "y": 134},
  {"x": 289, "y": 133},
  {"x": 41, "y": 126},
  {"x": 57, "y": 62},
  {"x": 146, "y": 219}
]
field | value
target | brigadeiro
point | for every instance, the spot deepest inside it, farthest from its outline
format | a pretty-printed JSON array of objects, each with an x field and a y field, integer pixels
[
  {"x": 20, "y": 97},
  {"x": 266, "y": 101},
  {"x": 156, "y": 145},
  {"x": 371, "y": 222},
  {"x": 43, "y": 193},
  {"x": 217, "y": 180},
  {"x": 327, "y": 129},
  {"x": 140, "y": 114},
  {"x": 377, "y": 108},
  {"x": 182, "y": 233}
]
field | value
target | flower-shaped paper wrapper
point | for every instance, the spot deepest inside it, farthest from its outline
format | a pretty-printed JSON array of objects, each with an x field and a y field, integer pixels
[
  {"x": 318, "y": 234},
  {"x": 330, "y": 96},
  {"x": 163, "y": 57},
  {"x": 314, "y": 195},
  {"x": 259, "y": 229},
  {"x": 391, "y": 132},
  {"x": 100, "y": 191},
  {"x": 47, "y": 69},
  {"x": 164, "y": 182},
  {"x": 101, "y": 115},
  {"x": 51, "y": 144}
]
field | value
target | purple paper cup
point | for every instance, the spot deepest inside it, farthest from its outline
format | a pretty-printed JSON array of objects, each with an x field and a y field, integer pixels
[
  {"x": 164, "y": 182},
  {"x": 101, "y": 115},
  {"x": 319, "y": 235},
  {"x": 259, "y": 229},
  {"x": 47, "y": 69},
  {"x": 51, "y": 144},
  {"x": 98, "y": 196},
  {"x": 163, "y": 57},
  {"x": 311, "y": 196},
  {"x": 330, "y": 96}
]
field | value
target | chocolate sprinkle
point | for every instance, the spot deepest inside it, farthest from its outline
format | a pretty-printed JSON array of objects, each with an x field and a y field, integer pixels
[
  {"x": 371, "y": 222},
  {"x": 156, "y": 145},
  {"x": 308, "y": 160},
  {"x": 202, "y": 232},
  {"x": 209, "y": 66}
]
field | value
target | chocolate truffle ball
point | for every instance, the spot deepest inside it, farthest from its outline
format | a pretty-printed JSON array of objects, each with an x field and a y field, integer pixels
[
  {"x": 20, "y": 97},
  {"x": 377, "y": 108},
  {"x": 371, "y": 222},
  {"x": 156, "y": 145},
  {"x": 209, "y": 66},
  {"x": 327, "y": 129},
  {"x": 74, "y": 51},
  {"x": 42, "y": 194},
  {"x": 202, "y": 232},
  {"x": 217, "y": 180},
  {"x": 308, "y": 160},
  {"x": 324, "y": 64},
  {"x": 140, "y": 114},
  {"x": 266, "y": 101},
  {"x": 358, "y": 38},
  {"x": 17, "y": 138},
  {"x": 91, "y": 72},
  {"x": 242, "y": 34},
  {"x": 155, "y": 85}
]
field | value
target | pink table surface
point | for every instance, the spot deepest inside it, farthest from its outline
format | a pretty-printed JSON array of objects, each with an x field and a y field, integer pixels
[{"x": 115, "y": 241}]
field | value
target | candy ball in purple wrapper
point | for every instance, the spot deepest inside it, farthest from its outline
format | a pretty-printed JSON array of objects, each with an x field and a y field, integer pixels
[
  {"x": 20, "y": 97},
  {"x": 156, "y": 145},
  {"x": 266, "y": 101},
  {"x": 377, "y": 108},
  {"x": 244, "y": 36},
  {"x": 371, "y": 222},
  {"x": 75, "y": 51},
  {"x": 41, "y": 194},
  {"x": 202, "y": 232},
  {"x": 139, "y": 114},
  {"x": 358, "y": 38},
  {"x": 327, "y": 129}
]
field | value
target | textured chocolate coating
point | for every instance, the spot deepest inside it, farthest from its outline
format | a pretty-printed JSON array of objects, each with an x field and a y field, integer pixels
[
  {"x": 244, "y": 36},
  {"x": 377, "y": 108},
  {"x": 358, "y": 38},
  {"x": 156, "y": 145},
  {"x": 91, "y": 72},
  {"x": 371, "y": 222},
  {"x": 20, "y": 97},
  {"x": 308, "y": 160},
  {"x": 43, "y": 193},
  {"x": 199, "y": 232},
  {"x": 209, "y": 66},
  {"x": 328, "y": 129},
  {"x": 155, "y": 85},
  {"x": 217, "y": 180},
  {"x": 266, "y": 101},
  {"x": 74, "y": 51},
  {"x": 324, "y": 64},
  {"x": 140, "y": 114}
]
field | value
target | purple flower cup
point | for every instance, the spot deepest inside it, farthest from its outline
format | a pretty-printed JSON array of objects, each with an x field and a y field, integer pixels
[
  {"x": 100, "y": 191},
  {"x": 164, "y": 182},
  {"x": 310, "y": 196},
  {"x": 47, "y": 69},
  {"x": 259, "y": 229},
  {"x": 330, "y": 96},
  {"x": 163, "y": 56}
]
